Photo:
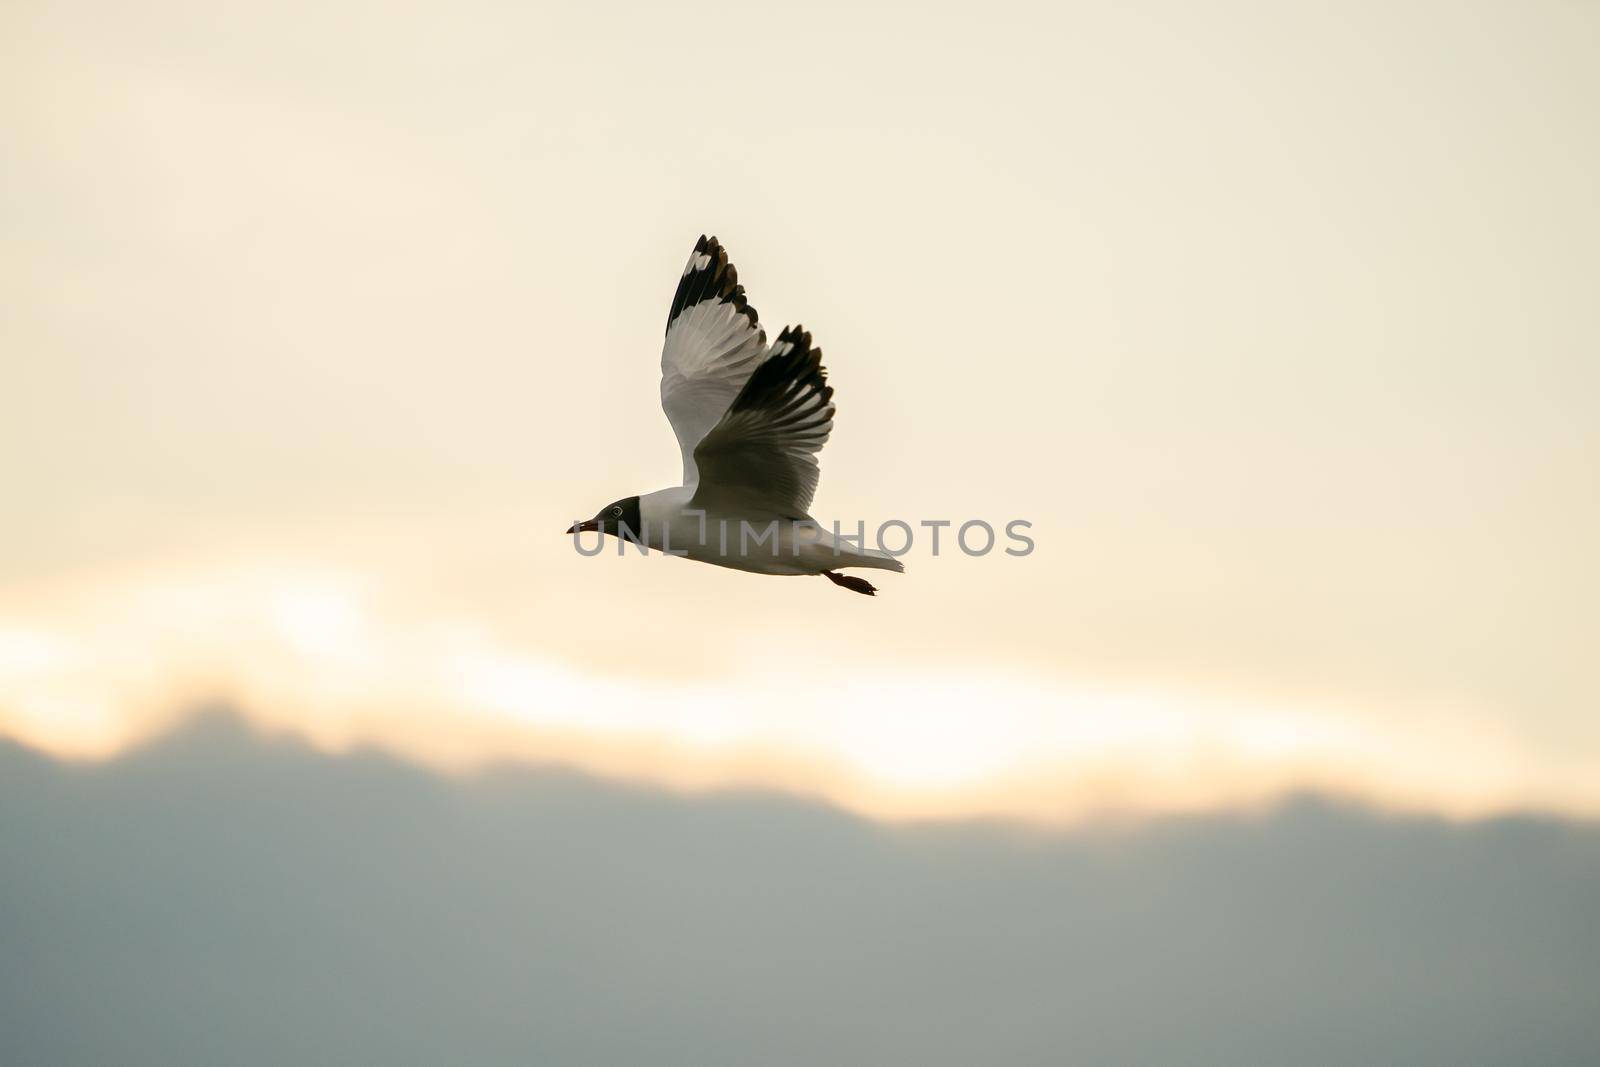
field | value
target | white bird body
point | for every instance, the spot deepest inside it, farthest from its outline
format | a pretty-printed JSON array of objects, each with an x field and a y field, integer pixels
[
  {"x": 750, "y": 419},
  {"x": 748, "y": 539}
]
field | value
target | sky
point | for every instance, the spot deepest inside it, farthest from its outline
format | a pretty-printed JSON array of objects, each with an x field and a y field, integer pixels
[{"x": 321, "y": 324}]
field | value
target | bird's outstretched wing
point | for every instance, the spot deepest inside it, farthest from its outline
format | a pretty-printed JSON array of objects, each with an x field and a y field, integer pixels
[
  {"x": 762, "y": 454},
  {"x": 714, "y": 343}
]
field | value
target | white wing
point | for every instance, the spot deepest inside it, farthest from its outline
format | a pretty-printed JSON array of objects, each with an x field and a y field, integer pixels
[
  {"x": 762, "y": 454},
  {"x": 714, "y": 343}
]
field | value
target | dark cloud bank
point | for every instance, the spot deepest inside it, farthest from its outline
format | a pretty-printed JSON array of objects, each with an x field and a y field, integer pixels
[{"x": 220, "y": 898}]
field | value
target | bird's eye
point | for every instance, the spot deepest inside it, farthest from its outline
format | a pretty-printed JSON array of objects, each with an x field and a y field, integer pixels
[{"x": 616, "y": 513}]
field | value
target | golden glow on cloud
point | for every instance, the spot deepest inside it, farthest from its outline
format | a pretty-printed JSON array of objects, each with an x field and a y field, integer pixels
[{"x": 306, "y": 650}]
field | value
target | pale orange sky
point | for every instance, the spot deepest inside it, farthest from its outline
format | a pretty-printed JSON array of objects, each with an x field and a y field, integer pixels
[{"x": 1277, "y": 324}]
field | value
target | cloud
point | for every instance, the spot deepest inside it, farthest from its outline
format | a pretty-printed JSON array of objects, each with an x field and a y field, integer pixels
[
  {"x": 223, "y": 896},
  {"x": 337, "y": 657}
]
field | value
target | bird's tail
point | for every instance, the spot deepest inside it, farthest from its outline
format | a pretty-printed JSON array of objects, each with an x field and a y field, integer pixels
[
  {"x": 868, "y": 557},
  {"x": 842, "y": 553}
]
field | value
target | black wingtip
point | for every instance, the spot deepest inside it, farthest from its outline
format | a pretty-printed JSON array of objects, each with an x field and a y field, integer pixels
[
  {"x": 795, "y": 372},
  {"x": 714, "y": 280}
]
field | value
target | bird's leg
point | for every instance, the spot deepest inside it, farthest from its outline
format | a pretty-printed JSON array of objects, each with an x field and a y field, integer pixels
[{"x": 852, "y": 583}]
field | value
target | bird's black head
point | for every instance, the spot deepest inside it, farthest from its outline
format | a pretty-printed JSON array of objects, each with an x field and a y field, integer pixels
[{"x": 617, "y": 518}]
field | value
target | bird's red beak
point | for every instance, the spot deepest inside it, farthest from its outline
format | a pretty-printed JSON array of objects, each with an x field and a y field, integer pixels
[{"x": 586, "y": 526}]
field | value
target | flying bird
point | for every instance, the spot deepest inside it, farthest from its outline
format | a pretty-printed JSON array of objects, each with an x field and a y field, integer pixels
[{"x": 750, "y": 418}]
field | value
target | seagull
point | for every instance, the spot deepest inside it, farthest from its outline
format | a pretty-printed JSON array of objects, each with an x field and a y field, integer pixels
[{"x": 750, "y": 418}]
